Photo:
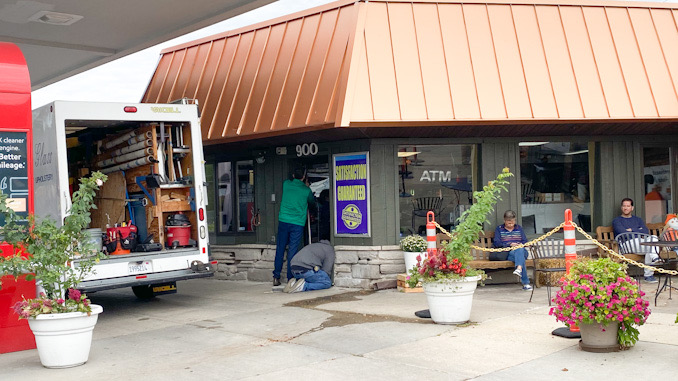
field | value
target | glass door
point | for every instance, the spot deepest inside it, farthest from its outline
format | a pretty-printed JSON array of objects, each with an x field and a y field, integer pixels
[
  {"x": 554, "y": 176},
  {"x": 245, "y": 186},
  {"x": 225, "y": 204}
]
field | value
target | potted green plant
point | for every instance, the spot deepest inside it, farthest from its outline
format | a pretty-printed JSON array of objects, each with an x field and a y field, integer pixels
[
  {"x": 606, "y": 304},
  {"x": 58, "y": 257},
  {"x": 413, "y": 247},
  {"x": 446, "y": 276}
]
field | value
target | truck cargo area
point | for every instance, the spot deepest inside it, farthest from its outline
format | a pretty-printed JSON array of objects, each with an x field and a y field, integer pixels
[
  {"x": 149, "y": 215},
  {"x": 149, "y": 176}
]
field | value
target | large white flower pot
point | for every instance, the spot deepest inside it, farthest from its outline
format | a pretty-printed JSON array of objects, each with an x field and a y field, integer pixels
[
  {"x": 64, "y": 340},
  {"x": 597, "y": 337},
  {"x": 450, "y": 301},
  {"x": 411, "y": 259}
]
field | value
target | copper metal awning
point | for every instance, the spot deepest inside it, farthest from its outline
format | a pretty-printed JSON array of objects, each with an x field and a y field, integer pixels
[{"x": 430, "y": 63}]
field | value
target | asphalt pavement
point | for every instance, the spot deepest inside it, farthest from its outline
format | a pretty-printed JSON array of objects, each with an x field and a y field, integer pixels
[{"x": 237, "y": 330}]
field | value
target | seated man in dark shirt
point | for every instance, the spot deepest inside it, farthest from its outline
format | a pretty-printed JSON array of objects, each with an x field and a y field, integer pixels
[
  {"x": 627, "y": 222},
  {"x": 311, "y": 267}
]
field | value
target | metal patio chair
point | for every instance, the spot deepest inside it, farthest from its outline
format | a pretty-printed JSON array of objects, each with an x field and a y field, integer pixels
[
  {"x": 421, "y": 206},
  {"x": 629, "y": 246},
  {"x": 542, "y": 251}
]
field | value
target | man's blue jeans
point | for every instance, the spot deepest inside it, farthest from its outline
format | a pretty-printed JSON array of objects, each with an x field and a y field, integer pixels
[
  {"x": 288, "y": 235},
  {"x": 315, "y": 280},
  {"x": 518, "y": 256}
]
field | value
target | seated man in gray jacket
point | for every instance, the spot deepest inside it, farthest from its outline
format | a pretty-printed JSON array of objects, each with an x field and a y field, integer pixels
[{"x": 311, "y": 267}]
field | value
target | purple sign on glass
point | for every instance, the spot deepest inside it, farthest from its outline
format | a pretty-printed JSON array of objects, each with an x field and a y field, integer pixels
[{"x": 351, "y": 189}]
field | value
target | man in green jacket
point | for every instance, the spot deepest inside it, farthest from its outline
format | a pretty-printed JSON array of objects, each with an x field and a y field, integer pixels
[{"x": 296, "y": 197}]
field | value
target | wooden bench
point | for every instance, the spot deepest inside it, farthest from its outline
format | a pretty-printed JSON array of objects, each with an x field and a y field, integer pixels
[
  {"x": 481, "y": 258},
  {"x": 656, "y": 228},
  {"x": 605, "y": 235}
]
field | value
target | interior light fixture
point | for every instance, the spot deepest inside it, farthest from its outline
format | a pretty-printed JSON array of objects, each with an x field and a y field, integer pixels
[
  {"x": 407, "y": 154},
  {"x": 576, "y": 152},
  {"x": 55, "y": 18},
  {"x": 531, "y": 144}
]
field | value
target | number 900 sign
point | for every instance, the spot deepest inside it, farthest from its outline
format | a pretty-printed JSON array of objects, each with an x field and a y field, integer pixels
[{"x": 307, "y": 149}]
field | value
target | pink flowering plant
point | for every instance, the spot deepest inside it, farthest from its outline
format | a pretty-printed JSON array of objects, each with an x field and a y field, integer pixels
[
  {"x": 453, "y": 260},
  {"x": 58, "y": 256},
  {"x": 75, "y": 302},
  {"x": 600, "y": 292}
]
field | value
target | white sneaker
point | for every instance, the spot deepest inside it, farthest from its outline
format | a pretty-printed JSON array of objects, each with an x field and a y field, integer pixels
[
  {"x": 527, "y": 287},
  {"x": 298, "y": 286},
  {"x": 289, "y": 285},
  {"x": 518, "y": 272}
]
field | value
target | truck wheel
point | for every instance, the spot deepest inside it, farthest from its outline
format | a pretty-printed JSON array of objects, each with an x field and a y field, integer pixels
[{"x": 143, "y": 292}]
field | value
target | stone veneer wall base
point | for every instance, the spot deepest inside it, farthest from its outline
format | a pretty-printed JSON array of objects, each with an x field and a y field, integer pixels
[{"x": 354, "y": 267}]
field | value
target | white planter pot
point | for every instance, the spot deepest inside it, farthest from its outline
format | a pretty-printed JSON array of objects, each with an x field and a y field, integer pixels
[
  {"x": 450, "y": 301},
  {"x": 411, "y": 259},
  {"x": 64, "y": 340}
]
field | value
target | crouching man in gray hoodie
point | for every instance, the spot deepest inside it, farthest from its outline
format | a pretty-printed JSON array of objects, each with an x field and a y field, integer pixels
[{"x": 311, "y": 267}]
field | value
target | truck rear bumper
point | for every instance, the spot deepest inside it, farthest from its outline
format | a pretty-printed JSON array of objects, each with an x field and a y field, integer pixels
[{"x": 140, "y": 280}]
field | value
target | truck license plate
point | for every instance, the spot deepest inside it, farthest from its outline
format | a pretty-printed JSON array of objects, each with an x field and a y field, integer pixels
[{"x": 140, "y": 267}]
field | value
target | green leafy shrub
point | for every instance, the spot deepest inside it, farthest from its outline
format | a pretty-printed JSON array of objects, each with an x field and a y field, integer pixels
[
  {"x": 57, "y": 256},
  {"x": 453, "y": 260}
]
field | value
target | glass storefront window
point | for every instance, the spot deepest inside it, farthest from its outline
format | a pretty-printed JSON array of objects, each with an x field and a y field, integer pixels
[
  {"x": 437, "y": 178},
  {"x": 554, "y": 176},
  {"x": 657, "y": 175}
]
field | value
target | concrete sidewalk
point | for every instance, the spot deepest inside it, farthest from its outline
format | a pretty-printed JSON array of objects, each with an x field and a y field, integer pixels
[{"x": 220, "y": 330}]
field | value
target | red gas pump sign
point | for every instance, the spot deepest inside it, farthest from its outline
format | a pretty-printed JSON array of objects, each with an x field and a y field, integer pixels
[{"x": 16, "y": 181}]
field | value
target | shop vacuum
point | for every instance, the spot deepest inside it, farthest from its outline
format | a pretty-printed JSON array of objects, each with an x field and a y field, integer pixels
[{"x": 178, "y": 231}]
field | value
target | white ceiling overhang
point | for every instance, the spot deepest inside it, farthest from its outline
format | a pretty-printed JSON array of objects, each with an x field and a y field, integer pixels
[{"x": 61, "y": 38}]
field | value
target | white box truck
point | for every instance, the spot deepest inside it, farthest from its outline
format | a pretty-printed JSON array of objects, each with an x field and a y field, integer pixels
[{"x": 153, "y": 156}]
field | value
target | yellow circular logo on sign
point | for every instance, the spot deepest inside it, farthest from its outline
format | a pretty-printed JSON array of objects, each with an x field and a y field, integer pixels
[{"x": 351, "y": 216}]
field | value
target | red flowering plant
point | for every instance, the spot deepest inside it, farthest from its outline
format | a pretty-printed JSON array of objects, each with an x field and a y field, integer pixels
[
  {"x": 600, "y": 292},
  {"x": 444, "y": 265},
  {"x": 453, "y": 260}
]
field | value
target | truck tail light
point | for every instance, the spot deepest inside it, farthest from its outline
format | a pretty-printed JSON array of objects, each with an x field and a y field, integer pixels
[
  {"x": 130, "y": 109},
  {"x": 201, "y": 214}
]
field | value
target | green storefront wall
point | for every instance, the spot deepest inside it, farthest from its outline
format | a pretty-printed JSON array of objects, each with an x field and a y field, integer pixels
[{"x": 616, "y": 171}]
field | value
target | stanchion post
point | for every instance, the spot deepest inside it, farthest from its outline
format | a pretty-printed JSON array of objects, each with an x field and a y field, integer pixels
[
  {"x": 570, "y": 241},
  {"x": 570, "y": 255},
  {"x": 430, "y": 233},
  {"x": 430, "y": 250}
]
